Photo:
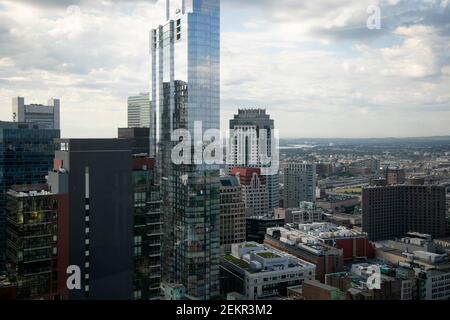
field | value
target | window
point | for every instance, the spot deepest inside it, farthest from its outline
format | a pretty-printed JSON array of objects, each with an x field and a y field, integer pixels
[
  {"x": 137, "y": 295},
  {"x": 137, "y": 251},
  {"x": 137, "y": 240}
]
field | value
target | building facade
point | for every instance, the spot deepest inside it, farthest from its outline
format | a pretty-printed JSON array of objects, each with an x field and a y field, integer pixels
[
  {"x": 185, "y": 73},
  {"x": 249, "y": 145},
  {"x": 393, "y": 211},
  {"x": 147, "y": 230},
  {"x": 139, "y": 108},
  {"x": 255, "y": 193},
  {"x": 299, "y": 184},
  {"x": 36, "y": 254},
  {"x": 26, "y": 156},
  {"x": 140, "y": 137},
  {"x": 307, "y": 212},
  {"x": 96, "y": 176},
  {"x": 326, "y": 258},
  {"x": 264, "y": 272},
  {"x": 316, "y": 291},
  {"x": 232, "y": 213},
  {"x": 395, "y": 175},
  {"x": 47, "y": 116},
  {"x": 353, "y": 243},
  {"x": 257, "y": 227}
]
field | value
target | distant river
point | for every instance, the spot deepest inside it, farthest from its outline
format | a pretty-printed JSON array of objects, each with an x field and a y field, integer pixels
[{"x": 297, "y": 146}]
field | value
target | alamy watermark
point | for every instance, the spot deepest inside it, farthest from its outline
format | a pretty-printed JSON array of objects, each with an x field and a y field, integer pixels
[
  {"x": 374, "y": 280},
  {"x": 247, "y": 146},
  {"x": 374, "y": 19}
]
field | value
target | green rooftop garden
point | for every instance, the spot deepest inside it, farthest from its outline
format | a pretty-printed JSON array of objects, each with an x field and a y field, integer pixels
[
  {"x": 238, "y": 262},
  {"x": 268, "y": 255}
]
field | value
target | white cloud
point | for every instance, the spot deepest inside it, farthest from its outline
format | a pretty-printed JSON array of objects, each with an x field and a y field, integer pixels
[{"x": 313, "y": 64}]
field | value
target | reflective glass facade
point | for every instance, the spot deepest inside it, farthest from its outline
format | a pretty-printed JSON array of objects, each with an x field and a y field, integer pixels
[
  {"x": 147, "y": 233},
  {"x": 139, "y": 111},
  {"x": 31, "y": 242},
  {"x": 185, "y": 54},
  {"x": 26, "y": 156}
]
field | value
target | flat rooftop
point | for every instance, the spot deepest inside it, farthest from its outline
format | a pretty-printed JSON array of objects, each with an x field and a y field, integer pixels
[{"x": 29, "y": 190}]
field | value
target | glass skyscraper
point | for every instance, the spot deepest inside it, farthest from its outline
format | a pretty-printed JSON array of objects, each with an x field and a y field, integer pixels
[
  {"x": 26, "y": 156},
  {"x": 139, "y": 111},
  {"x": 185, "y": 54}
]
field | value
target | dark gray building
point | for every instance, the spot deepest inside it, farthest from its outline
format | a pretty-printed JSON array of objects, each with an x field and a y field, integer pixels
[
  {"x": 256, "y": 227},
  {"x": 299, "y": 184},
  {"x": 140, "y": 137},
  {"x": 26, "y": 156},
  {"x": 97, "y": 177},
  {"x": 392, "y": 211}
]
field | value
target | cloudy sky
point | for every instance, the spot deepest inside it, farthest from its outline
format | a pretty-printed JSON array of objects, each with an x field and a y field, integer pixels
[{"x": 314, "y": 64}]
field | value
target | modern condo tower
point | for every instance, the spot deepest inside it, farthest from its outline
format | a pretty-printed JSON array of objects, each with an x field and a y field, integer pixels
[{"x": 185, "y": 73}]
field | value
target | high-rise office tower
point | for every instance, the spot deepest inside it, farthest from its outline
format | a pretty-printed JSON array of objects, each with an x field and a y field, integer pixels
[
  {"x": 37, "y": 252},
  {"x": 249, "y": 145},
  {"x": 185, "y": 67},
  {"x": 26, "y": 156},
  {"x": 232, "y": 213},
  {"x": 392, "y": 211},
  {"x": 96, "y": 176},
  {"x": 139, "y": 111},
  {"x": 147, "y": 234},
  {"x": 254, "y": 190},
  {"x": 299, "y": 184},
  {"x": 47, "y": 116}
]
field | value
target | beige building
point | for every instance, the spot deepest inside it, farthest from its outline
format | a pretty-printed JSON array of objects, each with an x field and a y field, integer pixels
[
  {"x": 232, "y": 213},
  {"x": 307, "y": 213},
  {"x": 254, "y": 190}
]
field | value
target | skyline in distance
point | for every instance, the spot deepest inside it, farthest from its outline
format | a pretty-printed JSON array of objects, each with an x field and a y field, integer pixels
[{"x": 316, "y": 68}]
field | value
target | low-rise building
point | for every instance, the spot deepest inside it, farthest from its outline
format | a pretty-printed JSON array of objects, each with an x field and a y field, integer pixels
[
  {"x": 414, "y": 247},
  {"x": 308, "y": 212},
  {"x": 327, "y": 259},
  {"x": 339, "y": 203},
  {"x": 344, "y": 219},
  {"x": 422, "y": 261},
  {"x": 256, "y": 227},
  {"x": 260, "y": 271},
  {"x": 315, "y": 290},
  {"x": 358, "y": 285},
  {"x": 353, "y": 243}
]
